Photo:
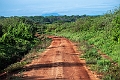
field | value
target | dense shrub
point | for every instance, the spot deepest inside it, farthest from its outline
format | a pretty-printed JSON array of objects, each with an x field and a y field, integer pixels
[{"x": 16, "y": 39}]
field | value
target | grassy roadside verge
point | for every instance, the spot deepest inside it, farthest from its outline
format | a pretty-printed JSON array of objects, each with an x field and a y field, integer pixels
[{"x": 105, "y": 68}]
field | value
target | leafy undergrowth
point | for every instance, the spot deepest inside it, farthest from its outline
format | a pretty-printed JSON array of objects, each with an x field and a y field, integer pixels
[
  {"x": 18, "y": 67},
  {"x": 106, "y": 69}
]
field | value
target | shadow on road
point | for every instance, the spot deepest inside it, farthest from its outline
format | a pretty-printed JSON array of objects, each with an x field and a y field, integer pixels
[{"x": 50, "y": 65}]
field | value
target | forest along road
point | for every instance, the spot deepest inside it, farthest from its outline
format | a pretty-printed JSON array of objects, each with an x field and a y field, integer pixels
[{"x": 60, "y": 61}]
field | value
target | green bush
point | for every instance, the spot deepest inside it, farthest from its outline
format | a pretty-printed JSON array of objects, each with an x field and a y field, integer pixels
[{"x": 16, "y": 40}]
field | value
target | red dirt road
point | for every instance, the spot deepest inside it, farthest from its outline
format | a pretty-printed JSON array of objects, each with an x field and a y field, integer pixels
[{"x": 59, "y": 62}]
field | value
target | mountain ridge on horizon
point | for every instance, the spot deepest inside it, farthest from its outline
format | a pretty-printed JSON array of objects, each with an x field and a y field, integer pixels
[{"x": 51, "y": 14}]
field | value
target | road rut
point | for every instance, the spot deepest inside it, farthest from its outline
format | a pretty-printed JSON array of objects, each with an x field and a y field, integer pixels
[{"x": 60, "y": 61}]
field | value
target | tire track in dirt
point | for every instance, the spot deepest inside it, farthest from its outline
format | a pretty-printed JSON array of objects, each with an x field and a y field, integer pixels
[{"x": 59, "y": 62}]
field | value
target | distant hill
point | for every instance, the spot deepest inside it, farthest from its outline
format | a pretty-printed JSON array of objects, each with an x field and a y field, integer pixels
[{"x": 51, "y": 14}]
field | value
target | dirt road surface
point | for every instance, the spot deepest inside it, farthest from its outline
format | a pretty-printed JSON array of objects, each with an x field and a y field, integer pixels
[{"x": 60, "y": 61}]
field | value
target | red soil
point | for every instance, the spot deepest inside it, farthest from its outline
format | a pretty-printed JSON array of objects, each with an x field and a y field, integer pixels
[{"x": 60, "y": 61}]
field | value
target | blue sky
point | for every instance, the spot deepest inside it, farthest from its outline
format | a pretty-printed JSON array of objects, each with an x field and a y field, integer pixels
[{"x": 63, "y": 7}]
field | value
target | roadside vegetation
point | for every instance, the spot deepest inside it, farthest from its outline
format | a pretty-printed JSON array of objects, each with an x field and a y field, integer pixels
[
  {"x": 23, "y": 39},
  {"x": 18, "y": 37},
  {"x": 96, "y": 35}
]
